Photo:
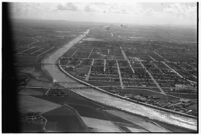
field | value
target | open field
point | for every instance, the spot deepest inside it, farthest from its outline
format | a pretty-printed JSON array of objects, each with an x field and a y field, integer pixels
[{"x": 32, "y": 104}]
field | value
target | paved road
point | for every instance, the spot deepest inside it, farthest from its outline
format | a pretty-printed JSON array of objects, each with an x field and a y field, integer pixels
[
  {"x": 46, "y": 51},
  {"x": 90, "y": 53},
  {"x": 152, "y": 78},
  {"x": 120, "y": 78},
  {"x": 89, "y": 72},
  {"x": 193, "y": 82},
  {"x": 104, "y": 65},
  {"x": 126, "y": 58},
  {"x": 74, "y": 53},
  {"x": 29, "y": 48},
  {"x": 107, "y": 99}
]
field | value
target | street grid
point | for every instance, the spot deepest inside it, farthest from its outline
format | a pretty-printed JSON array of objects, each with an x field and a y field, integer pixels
[{"x": 124, "y": 71}]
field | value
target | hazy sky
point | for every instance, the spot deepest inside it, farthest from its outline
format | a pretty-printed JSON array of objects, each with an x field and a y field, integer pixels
[{"x": 129, "y": 12}]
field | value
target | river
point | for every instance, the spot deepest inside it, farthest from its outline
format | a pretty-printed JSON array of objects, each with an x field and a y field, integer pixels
[{"x": 49, "y": 65}]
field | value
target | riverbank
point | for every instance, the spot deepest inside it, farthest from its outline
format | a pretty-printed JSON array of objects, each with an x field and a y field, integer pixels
[{"x": 50, "y": 66}]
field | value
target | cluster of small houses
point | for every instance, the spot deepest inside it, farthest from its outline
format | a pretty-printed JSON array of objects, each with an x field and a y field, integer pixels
[
  {"x": 22, "y": 80},
  {"x": 33, "y": 118},
  {"x": 56, "y": 92},
  {"x": 177, "y": 105}
]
